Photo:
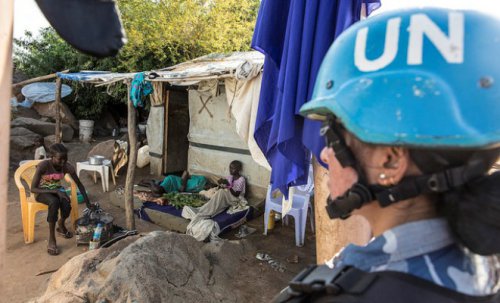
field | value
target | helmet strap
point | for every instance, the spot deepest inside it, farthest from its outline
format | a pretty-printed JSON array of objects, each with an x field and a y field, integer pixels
[
  {"x": 341, "y": 207},
  {"x": 441, "y": 182},
  {"x": 409, "y": 187},
  {"x": 361, "y": 193}
]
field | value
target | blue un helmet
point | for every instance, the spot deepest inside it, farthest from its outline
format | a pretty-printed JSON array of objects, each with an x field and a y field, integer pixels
[
  {"x": 425, "y": 79},
  {"x": 419, "y": 77}
]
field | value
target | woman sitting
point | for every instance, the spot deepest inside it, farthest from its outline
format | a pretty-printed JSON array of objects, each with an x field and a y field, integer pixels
[{"x": 46, "y": 185}]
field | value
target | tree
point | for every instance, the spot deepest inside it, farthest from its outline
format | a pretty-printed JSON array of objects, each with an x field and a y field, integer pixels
[{"x": 160, "y": 33}]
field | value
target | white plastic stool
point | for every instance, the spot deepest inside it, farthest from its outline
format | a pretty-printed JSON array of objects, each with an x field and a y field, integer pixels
[{"x": 103, "y": 170}]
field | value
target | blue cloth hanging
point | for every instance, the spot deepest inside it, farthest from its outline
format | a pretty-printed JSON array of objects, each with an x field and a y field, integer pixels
[
  {"x": 139, "y": 90},
  {"x": 294, "y": 35}
]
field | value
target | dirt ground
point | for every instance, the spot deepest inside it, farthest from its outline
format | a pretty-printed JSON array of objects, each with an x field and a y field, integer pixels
[{"x": 24, "y": 273}]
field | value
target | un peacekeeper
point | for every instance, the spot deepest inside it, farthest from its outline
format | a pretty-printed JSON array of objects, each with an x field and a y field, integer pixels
[{"x": 411, "y": 107}]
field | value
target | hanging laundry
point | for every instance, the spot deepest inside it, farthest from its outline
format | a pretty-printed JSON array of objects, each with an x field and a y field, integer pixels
[{"x": 139, "y": 89}]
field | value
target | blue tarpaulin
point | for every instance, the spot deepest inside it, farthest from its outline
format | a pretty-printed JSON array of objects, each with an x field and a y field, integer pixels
[
  {"x": 96, "y": 77},
  {"x": 81, "y": 76},
  {"x": 294, "y": 35}
]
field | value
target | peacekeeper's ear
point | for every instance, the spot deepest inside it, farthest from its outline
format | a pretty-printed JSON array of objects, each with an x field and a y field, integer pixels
[{"x": 395, "y": 163}]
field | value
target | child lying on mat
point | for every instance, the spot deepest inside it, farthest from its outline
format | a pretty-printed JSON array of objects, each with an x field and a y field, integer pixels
[{"x": 185, "y": 183}]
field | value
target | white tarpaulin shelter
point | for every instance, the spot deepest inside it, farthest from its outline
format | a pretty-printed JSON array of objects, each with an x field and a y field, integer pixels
[{"x": 223, "y": 99}]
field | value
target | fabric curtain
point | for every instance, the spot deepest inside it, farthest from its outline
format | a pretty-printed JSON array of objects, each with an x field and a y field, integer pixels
[{"x": 294, "y": 36}]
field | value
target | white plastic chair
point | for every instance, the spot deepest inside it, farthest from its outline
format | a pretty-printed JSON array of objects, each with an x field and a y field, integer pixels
[{"x": 300, "y": 205}]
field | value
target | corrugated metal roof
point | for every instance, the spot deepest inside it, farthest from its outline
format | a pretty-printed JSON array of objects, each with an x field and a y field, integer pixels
[
  {"x": 213, "y": 66},
  {"x": 241, "y": 65}
]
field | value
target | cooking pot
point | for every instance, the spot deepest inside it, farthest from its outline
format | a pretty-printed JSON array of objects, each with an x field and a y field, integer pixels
[{"x": 96, "y": 160}]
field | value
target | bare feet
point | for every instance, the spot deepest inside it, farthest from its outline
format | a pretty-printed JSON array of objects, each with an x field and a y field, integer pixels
[
  {"x": 52, "y": 247},
  {"x": 62, "y": 230}
]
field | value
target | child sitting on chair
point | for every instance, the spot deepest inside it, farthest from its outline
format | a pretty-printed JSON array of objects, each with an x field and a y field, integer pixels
[{"x": 46, "y": 185}]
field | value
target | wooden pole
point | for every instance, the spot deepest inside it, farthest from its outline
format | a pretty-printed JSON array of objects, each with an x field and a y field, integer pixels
[
  {"x": 332, "y": 235},
  {"x": 58, "y": 109},
  {"x": 37, "y": 79},
  {"x": 6, "y": 21},
  {"x": 164, "y": 161},
  {"x": 132, "y": 161}
]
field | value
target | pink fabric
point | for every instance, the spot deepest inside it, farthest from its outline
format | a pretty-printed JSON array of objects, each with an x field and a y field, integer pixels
[{"x": 237, "y": 185}]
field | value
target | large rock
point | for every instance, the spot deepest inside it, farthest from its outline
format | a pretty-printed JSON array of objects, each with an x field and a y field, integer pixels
[
  {"x": 20, "y": 111},
  {"x": 49, "y": 110},
  {"x": 160, "y": 267},
  {"x": 49, "y": 140},
  {"x": 22, "y": 144},
  {"x": 43, "y": 128},
  {"x": 105, "y": 149}
]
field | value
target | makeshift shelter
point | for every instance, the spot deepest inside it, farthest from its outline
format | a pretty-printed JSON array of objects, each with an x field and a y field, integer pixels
[
  {"x": 106, "y": 78},
  {"x": 203, "y": 115}
]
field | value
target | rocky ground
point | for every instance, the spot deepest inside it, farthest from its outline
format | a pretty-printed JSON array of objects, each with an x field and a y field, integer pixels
[{"x": 230, "y": 270}]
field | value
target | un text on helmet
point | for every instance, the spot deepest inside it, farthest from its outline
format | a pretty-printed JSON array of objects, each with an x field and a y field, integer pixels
[{"x": 450, "y": 46}]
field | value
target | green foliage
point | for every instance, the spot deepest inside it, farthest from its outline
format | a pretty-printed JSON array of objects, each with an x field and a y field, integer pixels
[
  {"x": 166, "y": 32},
  {"x": 179, "y": 200},
  {"x": 160, "y": 33}
]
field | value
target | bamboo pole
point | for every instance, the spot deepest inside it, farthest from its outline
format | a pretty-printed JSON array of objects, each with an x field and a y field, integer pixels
[
  {"x": 132, "y": 161},
  {"x": 58, "y": 109},
  {"x": 37, "y": 79},
  {"x": 6, "y": 23},
  {"x": 332, "y": 235}
]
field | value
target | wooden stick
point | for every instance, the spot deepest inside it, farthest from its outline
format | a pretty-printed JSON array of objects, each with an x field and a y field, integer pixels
[
  {"x": 36, "y": 79},
  {"x": 6, "y": 24},
  {"x": 132, "y": 162},
  {"x": 164, "y": 161},
  {"x": 46, "y": 272},
  {"x": 58, "y": 109}
]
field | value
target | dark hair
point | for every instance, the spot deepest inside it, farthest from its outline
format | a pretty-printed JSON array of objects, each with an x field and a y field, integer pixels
[
  {"x": 472, "y": 210},
  {"x": 57, "y": 148},
  {"x": 157, "y": 189},
  {"x": 237, "y": 164}
]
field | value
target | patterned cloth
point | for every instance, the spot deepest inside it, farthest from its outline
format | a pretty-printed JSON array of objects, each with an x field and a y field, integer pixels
[
  {"x": 237, "y": 185},
  {"x": 51, "y": 181},
  {"x": 425, "y": 249}
]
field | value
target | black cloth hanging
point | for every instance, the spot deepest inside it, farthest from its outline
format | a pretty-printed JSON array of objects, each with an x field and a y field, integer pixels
[{"x": 91, "y": 26}]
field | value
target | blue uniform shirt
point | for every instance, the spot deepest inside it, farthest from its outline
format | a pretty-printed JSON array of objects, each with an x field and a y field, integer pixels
[{"x": 427, "y": 250}]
